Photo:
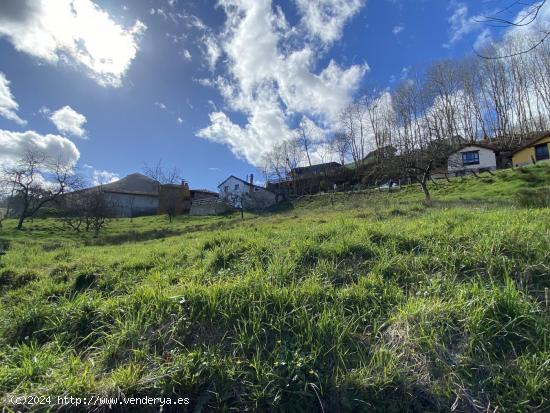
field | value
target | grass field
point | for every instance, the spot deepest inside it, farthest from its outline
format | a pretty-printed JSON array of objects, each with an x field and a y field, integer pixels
[{"x": 344, "y": 302}]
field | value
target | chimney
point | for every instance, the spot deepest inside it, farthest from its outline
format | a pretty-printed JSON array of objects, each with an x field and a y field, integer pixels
[{"x": 251, "y": 189}]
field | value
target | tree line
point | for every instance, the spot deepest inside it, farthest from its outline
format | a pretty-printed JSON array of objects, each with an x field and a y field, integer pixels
[{"x": 429, "y": 113}]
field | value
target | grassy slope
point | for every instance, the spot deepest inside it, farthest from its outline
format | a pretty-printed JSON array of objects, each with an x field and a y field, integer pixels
[{"x": 361, "y": 302}]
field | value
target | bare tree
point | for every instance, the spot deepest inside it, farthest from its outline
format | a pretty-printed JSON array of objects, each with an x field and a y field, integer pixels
[
  {"x": 305, "y": 138},
  {"x": 98, "y": 211},
  {"x": 36, "y": 181},
  {"x": 162, "y": 174},
  {"x": 341, "y": 146},
  {"x": 353, "y": 124},
  {"x": 419, "y": 145},
  {"x": 508, "y": 16}
]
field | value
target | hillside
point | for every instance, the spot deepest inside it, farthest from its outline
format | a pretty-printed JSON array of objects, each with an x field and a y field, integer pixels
[{"x": 346, "y": 302}]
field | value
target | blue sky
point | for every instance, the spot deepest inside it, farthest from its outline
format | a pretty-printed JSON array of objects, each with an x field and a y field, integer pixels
[{"x": 205, "y": 86}]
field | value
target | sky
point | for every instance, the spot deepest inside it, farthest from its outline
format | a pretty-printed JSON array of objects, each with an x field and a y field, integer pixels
[{"x": 205, "y": 86}]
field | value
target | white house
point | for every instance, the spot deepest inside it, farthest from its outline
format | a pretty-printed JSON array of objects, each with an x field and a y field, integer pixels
[
  {"x": 239, "y": 192},
  {"x": 472, "y": 157}
]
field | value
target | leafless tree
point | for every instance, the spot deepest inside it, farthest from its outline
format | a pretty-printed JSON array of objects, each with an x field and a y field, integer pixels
[
  {"x": 417, "y": 141},
  {"x": 237, "y": 200},
  {"x": 340, "y": 146},
  {"x": 304, "y": 138},
  {"x": 353, "y": 124},
  {"x": 517, "y": 13},
  {"x": 87, "y": 210},
  {"x": 162, "y": 174},
  {"x": 37, "y": 180},
  {"x": 98, "y": 211}
]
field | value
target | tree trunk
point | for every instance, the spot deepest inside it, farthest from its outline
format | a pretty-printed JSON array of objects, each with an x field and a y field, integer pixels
[
  {"x": 424, "y": 184},
  {"x": 242, "y": 212},
  {"x": 427, "y": 196},
  {"x": 21, "y": 220}
]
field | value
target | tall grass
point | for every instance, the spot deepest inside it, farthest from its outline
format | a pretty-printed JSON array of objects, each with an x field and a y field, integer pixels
[{"x": 375, "y": 303}]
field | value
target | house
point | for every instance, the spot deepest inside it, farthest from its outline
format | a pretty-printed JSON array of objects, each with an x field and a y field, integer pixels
[
  {"x": 536, "y": 150},
  {"x": 240, "y": 193},
  {"x": 133, "y": 195},
  {"x": 313, "y": 170},
  {"x": 471, "y": 157},
  {"x": 137, "y": 195}
]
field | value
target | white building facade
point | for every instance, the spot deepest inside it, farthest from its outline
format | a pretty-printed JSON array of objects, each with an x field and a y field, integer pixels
[
  {"x": 240, "y": 193},
  {"x": 472, "y": 158}
]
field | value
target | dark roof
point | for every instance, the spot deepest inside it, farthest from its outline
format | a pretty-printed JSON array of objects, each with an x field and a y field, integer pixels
[
  {"x": 239, "y": 179},
  {"x": 137, "y": 184},
  {"x": 532, "y": 141}
]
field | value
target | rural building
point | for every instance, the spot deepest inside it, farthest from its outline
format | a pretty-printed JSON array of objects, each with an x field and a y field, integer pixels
[
  {"x": 137, "y": 195},
  {"x": 174, "y": 199},
  {"x": 240, "y": 193},
  {"x": 133, "y": 195},
  {"x": 536, "y": 150},
  {"x": 313, "y": 170},
  {"x": 472, "y": 158}
]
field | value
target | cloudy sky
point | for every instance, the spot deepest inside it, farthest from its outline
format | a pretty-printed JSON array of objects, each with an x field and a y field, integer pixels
[{"x": 207, "y": 86}]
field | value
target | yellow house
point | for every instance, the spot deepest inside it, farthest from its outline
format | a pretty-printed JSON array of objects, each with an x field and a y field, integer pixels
[{"x": 535, "y": 151}]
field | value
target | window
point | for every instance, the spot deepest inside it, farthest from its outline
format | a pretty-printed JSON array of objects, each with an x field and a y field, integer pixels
[
  {"x": 470, "y": 158},
  {"x": 226, "y": 189},
  {"x": 236, "y": 187},
  {"x": 541, "y": 152}
]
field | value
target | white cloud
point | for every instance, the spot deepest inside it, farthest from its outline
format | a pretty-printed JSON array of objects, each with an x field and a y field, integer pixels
[
  {"x": 103, "y": 177},
  {"x": 461, "y": 23},
  {"x": 536, "y": 30},
  {"x": 484, "y": 39},
  {"x": 325, "y": 19},
  {"x": 8, "y": 105},
  {"x": 69, "y": 121},
  {"x": 270, "y": 81},
  {"x": 180, "y": 120},
  {"x": 398, "y": 29},
  {"x": 186, "y": 54},
  {"x": 55, "y": 147},
  {"x": 72, "y": 31},
  {"x": 212, "y": 51},
  {"x": 160, "y": 105}
]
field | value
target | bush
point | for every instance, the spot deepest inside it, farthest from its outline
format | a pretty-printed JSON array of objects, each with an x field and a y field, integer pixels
[{"x": 534, "y": 197}]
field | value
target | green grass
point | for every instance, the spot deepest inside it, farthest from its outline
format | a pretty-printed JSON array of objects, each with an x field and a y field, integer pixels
[{"x": 344, "y": 302}]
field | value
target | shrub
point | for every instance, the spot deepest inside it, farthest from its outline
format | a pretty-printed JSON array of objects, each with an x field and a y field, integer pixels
[{"x": 534, "y": 197}]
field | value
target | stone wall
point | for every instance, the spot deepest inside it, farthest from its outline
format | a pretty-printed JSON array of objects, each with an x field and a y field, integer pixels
[
  {"x": 209, "y": 206},
  {"x": 258, "y": 200}
]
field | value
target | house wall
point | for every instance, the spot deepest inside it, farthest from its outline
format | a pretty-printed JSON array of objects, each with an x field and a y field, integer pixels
[
  {"x": 233, "y": 192},
  {"x": 526, "y": 155},
  {"x": 487, "y": 160},
  {"x": 209, "y": 206},
  {"x": 253, "y": 198},
  {"x": 127, "y": 205},
  {"x": 174, "y": 198},
  {"x": 259, "y": 200}
]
